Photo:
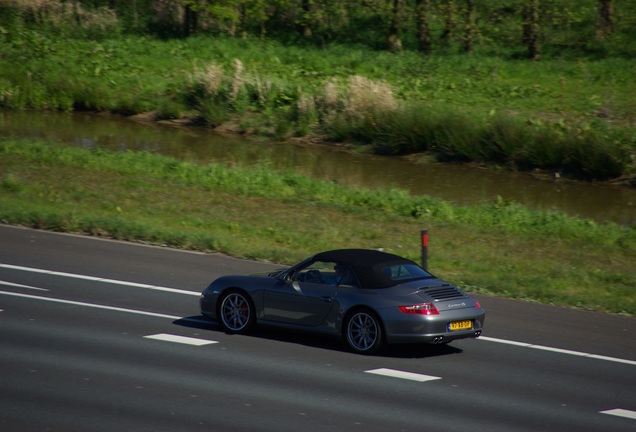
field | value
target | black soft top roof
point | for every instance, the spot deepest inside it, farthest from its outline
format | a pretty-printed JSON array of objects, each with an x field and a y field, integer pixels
[{"x": 367, "y": 264}]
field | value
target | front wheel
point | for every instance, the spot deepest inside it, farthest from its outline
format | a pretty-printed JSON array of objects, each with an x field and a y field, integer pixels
[
  {"x": 363, "y": 332},
  {"x": 236, "y": 313}
]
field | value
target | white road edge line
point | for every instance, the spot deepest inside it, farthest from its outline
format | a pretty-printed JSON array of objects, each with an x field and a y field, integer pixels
[
  {"x": 558, "y": 350},
  {"x": 21, "y": 286},
  {"x": 180, "y": 339},
  {"x": 112, "y": 308},
  {"x": 621, "y": 413},
  {"x": 98, "y": 279},
  {"x": 403, "y": 375}
]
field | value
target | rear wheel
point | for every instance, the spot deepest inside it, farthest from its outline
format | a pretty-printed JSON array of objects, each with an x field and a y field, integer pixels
[
  {"x": 236, "y": 312},
  {"x": 363, "y": 332}
]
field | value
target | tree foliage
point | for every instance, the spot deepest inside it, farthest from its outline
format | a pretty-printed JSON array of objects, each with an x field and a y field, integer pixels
[{"x": 510, "y": 27}]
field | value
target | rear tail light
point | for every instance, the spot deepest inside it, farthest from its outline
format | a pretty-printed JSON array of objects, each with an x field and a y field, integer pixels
[
  {"x": 477, "y": 305},
  {"x": 420, "y": 309}
]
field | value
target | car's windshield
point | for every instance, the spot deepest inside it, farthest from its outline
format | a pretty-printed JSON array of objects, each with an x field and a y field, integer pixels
[{"x": 402, "y": 272}]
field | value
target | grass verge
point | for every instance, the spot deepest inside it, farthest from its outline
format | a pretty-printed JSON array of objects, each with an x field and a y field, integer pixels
[{"x": 498, "y": 248}]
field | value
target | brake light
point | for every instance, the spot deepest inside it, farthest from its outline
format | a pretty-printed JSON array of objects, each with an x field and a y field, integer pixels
[
  {"x": 477, "y": 305},
  {"x": 420, "y": 309}
]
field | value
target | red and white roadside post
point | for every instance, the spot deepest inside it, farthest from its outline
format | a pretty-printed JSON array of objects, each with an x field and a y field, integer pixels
[{"x": 424, "y": 238}]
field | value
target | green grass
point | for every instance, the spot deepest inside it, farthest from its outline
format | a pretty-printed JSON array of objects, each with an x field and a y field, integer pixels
[{"x": 499, "y": 248}]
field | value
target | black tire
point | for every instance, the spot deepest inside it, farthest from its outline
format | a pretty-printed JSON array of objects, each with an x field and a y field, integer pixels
[
  {"x": 363, "y": 332},
  {"x": 236, "y": 312}
]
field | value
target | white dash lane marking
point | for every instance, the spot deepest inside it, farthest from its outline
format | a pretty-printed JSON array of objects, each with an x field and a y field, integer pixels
[
  {"x": 621, "y": 413},
  {"x": 558, "y": 350},
  {"x": 21, "y": 286},
  {"x": 403, "y": 375},
  {"x": 180, "y": 339}
]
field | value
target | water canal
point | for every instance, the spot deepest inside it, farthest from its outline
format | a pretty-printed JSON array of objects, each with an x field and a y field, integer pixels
[{"x": 457, "y": 183}]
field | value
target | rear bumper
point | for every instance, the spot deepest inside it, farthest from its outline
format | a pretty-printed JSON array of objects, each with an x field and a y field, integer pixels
[
  {"x": 433, "y": 328},
  {"x": 439, "y": 338}
]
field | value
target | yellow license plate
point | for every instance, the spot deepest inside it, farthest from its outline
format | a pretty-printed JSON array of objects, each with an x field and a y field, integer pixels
[{"x": 460, "y": 325}]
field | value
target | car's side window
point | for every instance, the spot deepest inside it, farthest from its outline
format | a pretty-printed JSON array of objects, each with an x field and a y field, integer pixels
[
  {"x": 317, "y": 272},
  {"x": 325, "y": 272},
  {"x": 405, "y": 271},
  {"x": 344, "y": 276}
]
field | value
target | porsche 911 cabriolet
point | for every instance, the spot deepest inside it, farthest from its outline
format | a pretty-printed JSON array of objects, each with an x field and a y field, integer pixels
[{"x": 367, "y": 297}]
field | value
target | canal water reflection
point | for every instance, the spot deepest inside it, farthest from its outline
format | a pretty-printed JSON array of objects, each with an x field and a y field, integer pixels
[{"x": 457, "y": 183}]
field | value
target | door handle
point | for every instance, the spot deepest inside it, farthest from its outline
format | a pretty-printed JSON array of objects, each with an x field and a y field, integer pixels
[{"x": 327, "y": 299}]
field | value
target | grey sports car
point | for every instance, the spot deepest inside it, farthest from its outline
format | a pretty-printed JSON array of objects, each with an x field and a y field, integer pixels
[{"x": 366, "y": 297}]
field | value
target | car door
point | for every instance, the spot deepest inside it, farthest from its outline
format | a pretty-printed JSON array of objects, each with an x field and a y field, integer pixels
[{"x": 304, "y": 299}]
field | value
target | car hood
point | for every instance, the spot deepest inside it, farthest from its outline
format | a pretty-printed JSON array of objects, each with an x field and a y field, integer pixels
[{"x": 270, "y": 273}]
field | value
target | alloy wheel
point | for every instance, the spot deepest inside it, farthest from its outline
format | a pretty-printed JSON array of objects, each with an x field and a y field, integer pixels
[
  {"x": 364, "y": 334},
  {"x": 236, "y": 312}
]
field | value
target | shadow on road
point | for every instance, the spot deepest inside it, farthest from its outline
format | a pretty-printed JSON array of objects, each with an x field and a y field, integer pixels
[
  {"x": 322, "y": 341},
  {"x": 197, "y": 321}
]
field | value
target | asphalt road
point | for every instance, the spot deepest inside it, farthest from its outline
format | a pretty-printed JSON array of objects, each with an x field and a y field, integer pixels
[{"x": 98, "y": 335}]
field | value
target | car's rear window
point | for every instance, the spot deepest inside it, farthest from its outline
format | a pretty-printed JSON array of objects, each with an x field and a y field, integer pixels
[{"x": 402, "y": 272}]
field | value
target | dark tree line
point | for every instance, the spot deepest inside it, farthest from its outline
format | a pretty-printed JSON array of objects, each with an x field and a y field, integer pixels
[{"x": 423, "y": 25}]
